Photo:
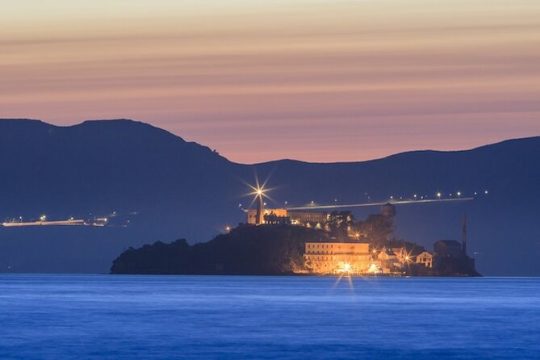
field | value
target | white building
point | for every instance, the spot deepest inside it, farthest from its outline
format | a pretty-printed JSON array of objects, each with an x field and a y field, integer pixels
[{"x": 425, "y": 258}]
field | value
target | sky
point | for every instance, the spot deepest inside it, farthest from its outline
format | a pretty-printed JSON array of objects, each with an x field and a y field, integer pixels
[{"x": 258, "y": 80}]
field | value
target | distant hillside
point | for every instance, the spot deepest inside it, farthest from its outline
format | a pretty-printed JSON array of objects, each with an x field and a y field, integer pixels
[{"x": 170, "y": 188}]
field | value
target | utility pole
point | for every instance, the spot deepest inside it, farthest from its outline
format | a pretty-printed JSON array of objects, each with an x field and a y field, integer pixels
[{"x": 464, "y": 235}]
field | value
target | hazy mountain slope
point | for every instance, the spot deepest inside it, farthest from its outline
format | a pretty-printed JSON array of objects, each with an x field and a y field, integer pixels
[
  {"x": 503, "y": 226},
  {"x": 97, "y": 165},
  {"x": 182, "y": 189}
]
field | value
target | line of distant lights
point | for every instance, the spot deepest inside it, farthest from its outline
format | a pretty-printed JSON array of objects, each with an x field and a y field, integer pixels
[
  {"x": 260, "y": 191},
  {"x": 43, "y": 219},
  {"x": 379, "y": 203},
  {"x": 438, "y": 197}
]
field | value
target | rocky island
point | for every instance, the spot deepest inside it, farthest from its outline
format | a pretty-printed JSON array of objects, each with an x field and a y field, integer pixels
[{"x": 277, "y": 247}]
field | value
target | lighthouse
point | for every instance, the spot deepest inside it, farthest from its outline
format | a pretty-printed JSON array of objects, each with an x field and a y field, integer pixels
[{"x": 260, "y": 207}]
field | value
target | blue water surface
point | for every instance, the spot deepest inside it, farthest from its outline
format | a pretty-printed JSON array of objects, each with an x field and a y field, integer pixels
[{"x": 248, "y": 317}]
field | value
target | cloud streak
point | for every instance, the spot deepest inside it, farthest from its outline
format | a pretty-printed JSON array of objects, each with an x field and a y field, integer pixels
[{"x": 315, "y": 80}]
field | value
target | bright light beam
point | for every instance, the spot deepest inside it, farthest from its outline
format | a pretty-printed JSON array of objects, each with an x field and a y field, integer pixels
[{"x": 380, "y": 203}]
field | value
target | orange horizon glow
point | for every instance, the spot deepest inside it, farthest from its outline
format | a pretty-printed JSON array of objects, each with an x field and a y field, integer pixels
[{"x": 262, "y": 80}]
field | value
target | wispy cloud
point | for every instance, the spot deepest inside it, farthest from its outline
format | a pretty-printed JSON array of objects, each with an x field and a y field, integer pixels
[{"x": 316, "y": 80}]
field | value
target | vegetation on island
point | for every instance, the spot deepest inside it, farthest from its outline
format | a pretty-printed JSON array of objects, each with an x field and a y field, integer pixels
[{"x": 253, "y": 250}]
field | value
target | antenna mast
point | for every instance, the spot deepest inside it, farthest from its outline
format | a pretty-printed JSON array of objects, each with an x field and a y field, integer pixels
[{"x": 464, "y": 235}]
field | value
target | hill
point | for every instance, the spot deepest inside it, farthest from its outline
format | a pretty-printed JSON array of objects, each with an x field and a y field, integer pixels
[{"x": 168, "y": 188}]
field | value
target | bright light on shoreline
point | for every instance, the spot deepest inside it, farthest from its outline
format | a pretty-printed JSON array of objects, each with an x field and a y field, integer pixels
[{"x": 344, "y": 268}]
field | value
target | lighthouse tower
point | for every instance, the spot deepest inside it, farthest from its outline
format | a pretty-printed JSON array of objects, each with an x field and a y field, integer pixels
[{"x": 259, "y": 217}]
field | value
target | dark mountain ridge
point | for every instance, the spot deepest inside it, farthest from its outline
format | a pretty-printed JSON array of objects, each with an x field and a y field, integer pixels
[{"x": 182, "y": 189}]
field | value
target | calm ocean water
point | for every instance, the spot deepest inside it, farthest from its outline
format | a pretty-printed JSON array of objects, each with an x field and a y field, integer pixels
[{"x": 167, "y": 317}]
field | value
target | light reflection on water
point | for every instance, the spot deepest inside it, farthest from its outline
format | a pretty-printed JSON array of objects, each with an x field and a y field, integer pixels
[{"x": 103, "y": 316}]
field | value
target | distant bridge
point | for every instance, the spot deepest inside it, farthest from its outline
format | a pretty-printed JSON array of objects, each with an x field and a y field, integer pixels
[
  {"x": 68, "y": 222},
  {"x": 378, "y": 203}
]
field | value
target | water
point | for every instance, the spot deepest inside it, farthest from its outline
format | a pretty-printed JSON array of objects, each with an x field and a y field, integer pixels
[{"x": 131, "y": 317}]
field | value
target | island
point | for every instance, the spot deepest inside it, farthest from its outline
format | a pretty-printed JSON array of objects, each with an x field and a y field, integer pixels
[{"x": 307, "y": 243}]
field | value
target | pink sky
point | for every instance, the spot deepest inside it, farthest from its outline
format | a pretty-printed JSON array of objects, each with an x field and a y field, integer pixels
[{"x": 261, "y": 80}]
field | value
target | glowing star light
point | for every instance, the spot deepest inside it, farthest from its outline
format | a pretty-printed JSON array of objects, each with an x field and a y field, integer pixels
[
  {"x": 344, "y": 268},
  {"x": 259, "y": 191}
]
